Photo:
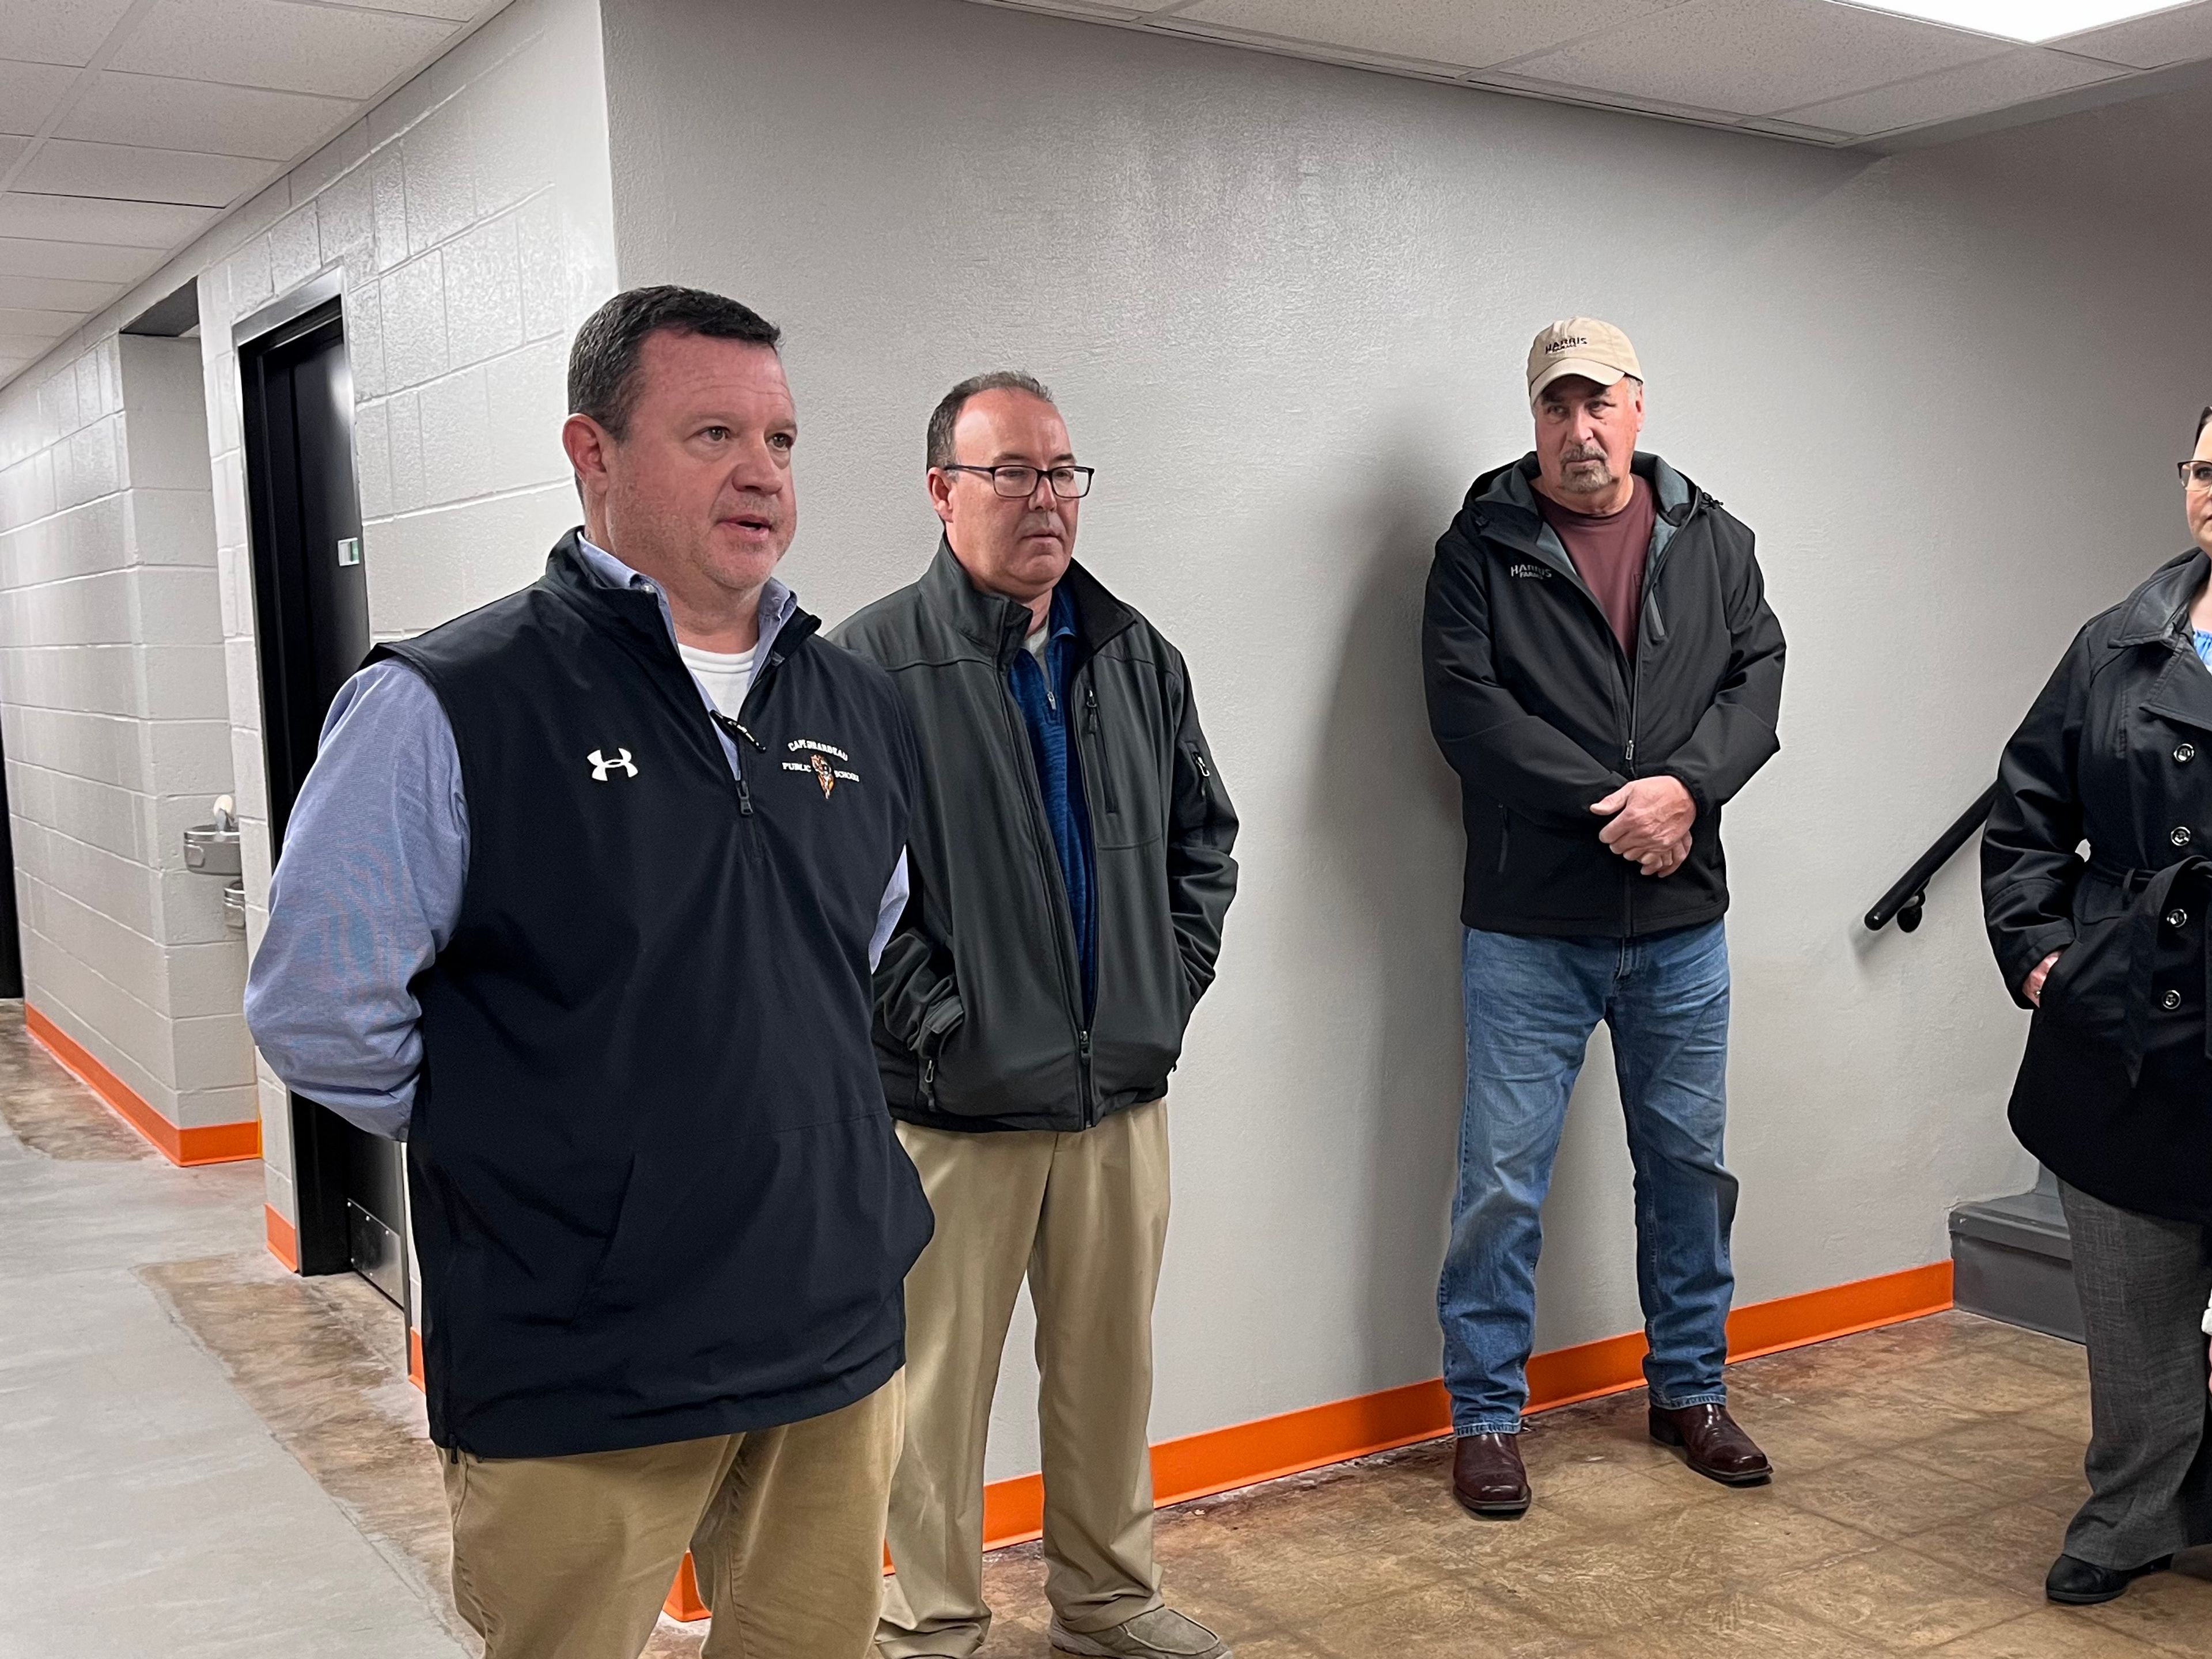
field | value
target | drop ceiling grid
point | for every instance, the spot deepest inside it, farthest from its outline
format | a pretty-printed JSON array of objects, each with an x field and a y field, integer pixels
[
  {"x": 1826, "y": 70},
  {"x": 128, "y": 126}
]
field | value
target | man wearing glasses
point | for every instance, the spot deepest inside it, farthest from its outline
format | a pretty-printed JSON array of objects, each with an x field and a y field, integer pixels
[{"x": 1071, "y": 868}]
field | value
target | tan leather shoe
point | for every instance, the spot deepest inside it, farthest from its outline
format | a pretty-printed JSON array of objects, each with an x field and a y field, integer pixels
[
  {"x": 1712, "y": 1444},
  {"x": 1488, "y": 1477}
]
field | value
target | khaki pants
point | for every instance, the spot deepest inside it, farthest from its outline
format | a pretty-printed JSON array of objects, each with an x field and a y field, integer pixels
[
  {"x": 1086, "y": 1215},
  {"x": 570, "y": 1558}
]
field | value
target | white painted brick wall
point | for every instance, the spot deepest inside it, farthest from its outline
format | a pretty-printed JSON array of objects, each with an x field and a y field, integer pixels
[
  {"x": 471, "y": 216},
  {"x": 112, "y": 699},
  {"x": 472, "y": 219}
]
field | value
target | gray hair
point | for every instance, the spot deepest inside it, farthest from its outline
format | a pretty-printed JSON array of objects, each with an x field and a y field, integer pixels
[{"x": 947, "y": 415}]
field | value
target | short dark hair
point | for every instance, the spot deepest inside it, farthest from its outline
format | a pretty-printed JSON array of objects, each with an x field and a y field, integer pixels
[
  {"x": 603, "y": 362},
  {"x": 947, "y": 415},
  {"x": 2205, "y": 420}
]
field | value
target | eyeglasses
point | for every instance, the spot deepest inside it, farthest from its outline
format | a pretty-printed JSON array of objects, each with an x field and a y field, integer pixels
[
  {"x": 2197, "y": 475},
  {"x": 1070, "y": 483}
]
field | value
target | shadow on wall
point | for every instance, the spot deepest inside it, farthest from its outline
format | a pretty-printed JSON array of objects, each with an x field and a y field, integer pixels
[{"x": 1386, "y": 810}]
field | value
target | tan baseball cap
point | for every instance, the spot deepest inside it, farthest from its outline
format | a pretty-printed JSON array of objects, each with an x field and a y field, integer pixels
[{"x": 1580, "y": 345}]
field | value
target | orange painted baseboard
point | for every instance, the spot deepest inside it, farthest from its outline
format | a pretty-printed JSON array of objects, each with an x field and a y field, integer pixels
[
  {"x": 1245, "y": 1454},
  {"x": 206, "y": 1143},
  {"x": 283, "y": 1237},
  {"x": 415, "y": 1358}
]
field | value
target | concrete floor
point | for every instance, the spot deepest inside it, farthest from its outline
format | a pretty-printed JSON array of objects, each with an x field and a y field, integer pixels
[{"x": 202, "y": 1455}]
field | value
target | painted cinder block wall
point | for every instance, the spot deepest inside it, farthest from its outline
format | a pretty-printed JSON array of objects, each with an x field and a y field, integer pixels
[
  {"x": 468, "y": 221},
  {"x": 467, "y": 218},
  {"x": 117, "y": 730},
  {"x": 1285, "y": 306}
]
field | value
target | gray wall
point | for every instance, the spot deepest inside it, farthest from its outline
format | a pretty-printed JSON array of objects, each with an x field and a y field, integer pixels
[
  {"x": 467, "y": 219},
  {"x": 1285, "y": 307},
  {"x": 111, "y": 699}
]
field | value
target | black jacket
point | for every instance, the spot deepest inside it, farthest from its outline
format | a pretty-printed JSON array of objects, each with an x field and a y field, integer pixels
[
  {"x": 2116, "y": 752},
  {"x": 980, "y": 1011},
  {"x": 656, "y": 1195},
  {"x": 1541, "y": 714}
]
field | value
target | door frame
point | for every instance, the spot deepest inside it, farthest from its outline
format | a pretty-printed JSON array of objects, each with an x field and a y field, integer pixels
[{"x": 318, "y": 1137}]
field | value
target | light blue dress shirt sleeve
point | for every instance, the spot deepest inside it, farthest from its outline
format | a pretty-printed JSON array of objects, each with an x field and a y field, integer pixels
[{"x": 366, "y": 895}]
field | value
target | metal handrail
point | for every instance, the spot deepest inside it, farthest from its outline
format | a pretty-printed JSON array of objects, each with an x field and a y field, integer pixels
[{"x": 1905, "y": 902}]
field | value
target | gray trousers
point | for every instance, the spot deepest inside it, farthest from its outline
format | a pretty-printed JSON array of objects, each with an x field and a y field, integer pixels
[{"x": 2143, "y": 1283}]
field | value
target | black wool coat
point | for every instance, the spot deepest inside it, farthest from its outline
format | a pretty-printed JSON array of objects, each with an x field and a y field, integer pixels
[{"x": 2115, "y": 1090}]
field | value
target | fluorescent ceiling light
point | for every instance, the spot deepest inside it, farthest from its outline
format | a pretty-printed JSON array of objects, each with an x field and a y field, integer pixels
[{"x": 2031, "y": 21}]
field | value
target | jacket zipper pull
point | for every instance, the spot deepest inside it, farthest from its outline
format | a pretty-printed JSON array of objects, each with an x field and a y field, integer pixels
[
  {"x": 745, "y": 799},
  {"x": 1204, "y": 770},
  {"x": 1083, "y": 1045},
  {"x": 1629, "y": 754}
]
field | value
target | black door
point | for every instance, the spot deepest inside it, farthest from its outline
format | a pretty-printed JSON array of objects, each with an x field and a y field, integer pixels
[
  {"x": 11, "y": 943},
  {"x": 311, "y": 610}
]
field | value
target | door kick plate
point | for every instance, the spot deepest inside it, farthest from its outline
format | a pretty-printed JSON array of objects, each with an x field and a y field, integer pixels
[{"x": 377, "y": 1256}]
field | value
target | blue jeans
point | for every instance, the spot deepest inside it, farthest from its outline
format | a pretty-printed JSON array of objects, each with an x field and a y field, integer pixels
[{"x": 1531, "y": 1006}]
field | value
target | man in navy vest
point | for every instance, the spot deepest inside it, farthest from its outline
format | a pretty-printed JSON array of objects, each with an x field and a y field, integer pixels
[{"x": 581, "y": 898}]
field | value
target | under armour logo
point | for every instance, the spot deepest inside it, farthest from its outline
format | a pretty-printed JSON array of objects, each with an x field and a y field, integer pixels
[{"x": 601, "y": 765}]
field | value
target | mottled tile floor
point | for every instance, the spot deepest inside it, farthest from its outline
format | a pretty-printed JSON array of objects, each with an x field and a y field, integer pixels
[
  {"x": 151, "y": 1505},
  {"x": 1926, "y": 1472}
]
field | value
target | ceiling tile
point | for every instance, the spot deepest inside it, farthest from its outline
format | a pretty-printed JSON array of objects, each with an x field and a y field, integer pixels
[
  {"x": 1756, "y": 57},
  {"x": 198, "y": 115},
  {"x": 62, "y": 218},
  {"x": 127, "y": 172},
  {"x": 1948, "y": 94},
  {"x": 10, "y": 148},
  {"x": 83, "y": 262},
  {"x": 34, "y": 323},
  {"x": 458, "y": 11},
  {"x": 1510, "y": 81},
  {"x": 273, "y": 44},
  {"x": 2166, "y": 37},
  {"x": 54, "y": 293},
  {"x": 1429, "y": 31},
  {"x": 57, "y": 31},
  {"x": 28, "y": 93},
  {"x": 1784, "y": 129}
]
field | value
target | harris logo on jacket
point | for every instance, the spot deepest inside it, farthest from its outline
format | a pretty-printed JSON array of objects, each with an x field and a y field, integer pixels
[{"x": 1524, "y": 567}]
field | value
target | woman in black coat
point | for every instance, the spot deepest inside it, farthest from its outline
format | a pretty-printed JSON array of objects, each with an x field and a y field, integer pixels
[{"x": 2115, "y": 1092}]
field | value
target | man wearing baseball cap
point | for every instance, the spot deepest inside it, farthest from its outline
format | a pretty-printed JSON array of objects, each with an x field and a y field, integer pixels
[{"x": 1604, "y": 675}]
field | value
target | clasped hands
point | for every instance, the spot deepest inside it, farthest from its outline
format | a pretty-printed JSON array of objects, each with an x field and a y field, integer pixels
[{"x": 1650, "y": 823}]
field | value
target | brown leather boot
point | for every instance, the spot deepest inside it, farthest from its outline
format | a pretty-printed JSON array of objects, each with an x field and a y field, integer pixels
[
  {"x": 1712, "y": 1444},
  {"x": 1488, "y": 1478}
]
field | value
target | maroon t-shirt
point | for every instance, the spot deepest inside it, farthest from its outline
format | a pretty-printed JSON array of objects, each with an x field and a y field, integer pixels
[{"x": 1609, "y": 553}]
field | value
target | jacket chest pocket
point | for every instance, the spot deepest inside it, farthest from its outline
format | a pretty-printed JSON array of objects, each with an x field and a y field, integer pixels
[{"x": 1124, "y": 788}]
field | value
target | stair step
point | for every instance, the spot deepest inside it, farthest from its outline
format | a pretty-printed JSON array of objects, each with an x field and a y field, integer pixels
[{"x": 2012, "y": 1262}]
